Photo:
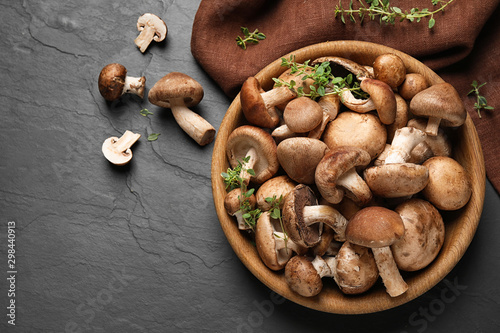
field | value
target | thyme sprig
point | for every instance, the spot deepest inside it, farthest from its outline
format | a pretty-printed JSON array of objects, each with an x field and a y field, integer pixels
[
  {"x": 275, "y": 213},
  {"x": 249, "y": 37},
  {"x": 325, "y": 83},
  {"x": 388, "y": 14},
  {"x": 481, "y": 102}
]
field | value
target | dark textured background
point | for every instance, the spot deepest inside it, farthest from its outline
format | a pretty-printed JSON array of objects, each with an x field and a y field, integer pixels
[{"x": 139, "y": 248}]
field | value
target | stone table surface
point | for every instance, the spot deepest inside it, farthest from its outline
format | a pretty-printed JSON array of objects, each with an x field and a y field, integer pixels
[{"x": 139, "y": 248}]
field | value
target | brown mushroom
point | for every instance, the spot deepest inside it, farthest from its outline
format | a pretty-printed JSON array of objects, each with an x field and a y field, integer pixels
[
  {"x": 396, "y": 180},
  {"x": 389, "y": 68},
  {"x": 152, "y": 28},
  {"x": 413, "y": 84},
  {"x": 441, "y": 104},
  {"x": 401, "y": 119},
  {"x": 117, "y": 150},
  {"x": 276, "y": 187},
  {"x": 439, "y": 145},
  {"x": 303, "y": 274},
  {"x": 423, "y": 238},
  {"x": 114, "y": 82},
  {"x": 258, "y": 106},
  {"x": 233, "y": 201},
  {"x": 336, "y": 175},
  {"x": 449, "y": 186},
  {"x": 383, "y": 98},
  {"x": 378, "y": 228},
  {"x": 299, "y": 157},
  {"x": 302, "y": 114},
  {"x": 330, "y": 105},
  {"x": 178, "y": 92},
  {"x": 258, "y": 147},
  {"x": 343, "y": 66}
]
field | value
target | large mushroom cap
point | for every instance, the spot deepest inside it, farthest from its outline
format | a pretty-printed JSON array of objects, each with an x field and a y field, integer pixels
[
  {"x": 299, "y": 157},
  {"x": 277, "y": 187},
  {"x": 246, "y": 137},
  {"x": 375, "y": 227},
  {"x": 396, "y": 180},
  {"x": 176, "y": 86},
  {"x": 423, "y": 238},
  {"x": 112, "y": 81}
]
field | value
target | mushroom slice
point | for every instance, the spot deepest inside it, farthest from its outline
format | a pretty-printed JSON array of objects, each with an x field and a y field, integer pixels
[
  {"x": 423, "y": 238},
  {"x": 303, "y": 217},
  {"x": 441, "y": 104},
  {"x": 233, "y": 202},
  {"x": 355, "y": 269},
  {"x": 258, "y": 106},
  {"x": 273, "y": 245},
  {"x": 276, "y": 187},
  {"x": 259, "y": 146},
  {"x": 303, "y": 274},
  {"x": 117, "y": 150},
  {"x": 449, "y": 186},
  {"x": 378, "y": 228},
  {"x": 152, "y": 28},
  {"x": 336, "y": 175},
  {"x": 114, "y": 82},
  {"x": 178, "y": 92}
]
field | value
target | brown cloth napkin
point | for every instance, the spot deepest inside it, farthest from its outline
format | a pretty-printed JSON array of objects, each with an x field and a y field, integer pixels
[{"x": 463, "y": 46}]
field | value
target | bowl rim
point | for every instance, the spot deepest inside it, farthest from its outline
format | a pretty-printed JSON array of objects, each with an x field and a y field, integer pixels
[{"x": 460, "y": 231}]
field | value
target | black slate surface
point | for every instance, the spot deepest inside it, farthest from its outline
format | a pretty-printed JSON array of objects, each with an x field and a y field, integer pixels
[{"x": 139, "y": 248}]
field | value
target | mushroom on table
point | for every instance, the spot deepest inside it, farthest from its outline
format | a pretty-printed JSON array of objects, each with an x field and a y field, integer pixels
[
  {"x": 178, "y": 92},
  {"x": 114, "y": 82},
  {"x": 152, "y": 28},
  {"x": 117, "y": 150}
]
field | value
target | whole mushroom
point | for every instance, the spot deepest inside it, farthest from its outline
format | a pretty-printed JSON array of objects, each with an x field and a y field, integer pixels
[
  {"x": 151, "y": 28},
  {"x": 178, "y": 92},
  {"x": 303, "y": 274},
  {"x": 389, "y": 68},
  {"x": 276, "y": 187},
  {"x": 114, "y": 82},
  {"x": 233, "y": 203}
]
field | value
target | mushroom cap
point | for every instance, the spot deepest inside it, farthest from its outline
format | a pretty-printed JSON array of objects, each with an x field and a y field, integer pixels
[
  {"x": 293, "y": 221},
  {"x": 278, "y": 186},
  {"x": 233, "y": 199},
  {"x": 440, "y": 101},
  {"x": 412, "y": 84},
  {"x": 265, "y": 242},
  {"x": 330, "y": 105},
  {"x": 449, "y": 186},
  {"x": 397, "y": 179},
  {"x": 176, "y": 86},
  {"x": 302, "y": 277},
  {"x": 299, "y": 157},
  {"x": 245, "y": 137},
  {"x": 154, "y": 21},
  {"x": 253, "y": 106},
  {"x": 354, "y": 129},
  {"x": 401, "y": 119},
  {"x": 302, "y": 114},
  {"x": 390, "y": 69},
  {"x": 375, "y": 227},
  {"x": 383, "y": 98},
  {"x": 112, "y": 81},
  {"x": 306, "y": 84},
  {"x": 342, "y": 66},
  {"x": 439, "y": 145},
  {"x": 423, "y": 238},
  {"x": 355, "y": 270},
  {"x": 335, "y": 164}
]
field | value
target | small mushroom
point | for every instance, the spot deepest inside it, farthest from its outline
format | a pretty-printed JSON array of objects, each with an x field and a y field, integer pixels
[
  {"x": 178, "y": 92},
  {"x": 336, "y": 175},
  {"x": 401, "y": 119},
  {"x": 259, "y": 146},
  {"x": 449, "y": 186},
  {"x": 413, "y": 84},
  {"x": 378, "y": 228},
  {"x": 277, "y": 187},
  {"x": 439, "y": 145},
  {"x": 114, "y": 82},
  {"x": 303, "y": 274},
  {"x": 355, "y": 270},
  {"x": 302, "y": 217},
  {"x": 233, "y": 202},
  {"x": 273, "y": 246},
  {"x": 441, "y": 104},
  {"x": 258, "y": 106},
  {"x": 389, "y": 68},
  {"x": 299, "y": 157},
  {"x": 404, "y": 141},
  {"x": 117, "y": 150},
  {"x": 383, "y": 98},
  {"x": 354, "y": 129},
  {"x": 152, "y": 28},
  {"x": 302, "y": 114},
  {"x": 423, "y": 238}
]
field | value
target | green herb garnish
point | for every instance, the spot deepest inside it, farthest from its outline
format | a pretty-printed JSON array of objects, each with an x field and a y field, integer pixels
[
  {"x": 249, "y": 37},
  {"x": 145, "y": 112},
  {"x": 153, "y": 136},
  {"x": 481, "y": 102}
]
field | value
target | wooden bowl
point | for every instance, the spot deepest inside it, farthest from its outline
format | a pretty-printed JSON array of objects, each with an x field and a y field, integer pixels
[{"x": 461, "y": 225}]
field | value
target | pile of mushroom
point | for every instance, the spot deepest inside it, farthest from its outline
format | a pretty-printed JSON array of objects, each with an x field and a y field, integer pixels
[{"x": 363, "y": 181}]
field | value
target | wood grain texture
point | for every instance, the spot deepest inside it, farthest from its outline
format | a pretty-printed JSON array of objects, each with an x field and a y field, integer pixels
[{"x": 460, "y": 225}]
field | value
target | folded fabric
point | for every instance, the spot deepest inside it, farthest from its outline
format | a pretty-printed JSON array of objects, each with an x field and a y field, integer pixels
[{"x": 463, "y": 46}]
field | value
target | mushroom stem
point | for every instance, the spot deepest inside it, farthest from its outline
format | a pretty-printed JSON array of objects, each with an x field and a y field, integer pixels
[
  {"x": 327, "y": 215},
  {"x": 324, "y": 266},
  {"x": 356, "y": 188},
  {"x": 145, "y": 37},
  {"x": 356, "y": 104},
  {"x": 241, "y": 221},
  {"x": 126, "y": 141},
  {"x": 253, "y": 156},
  {"x": 283, "y": 242},
  {"x": 192, "y": 123},
  {"x": 283, "y": 132},
  {"x": 134, "y": 85},
  {"x": 405, "y": 139},
  {"x": 389, "y": 272},
  {"x": 277, "y": 96},
  {"x": 432, "y": 126}
]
